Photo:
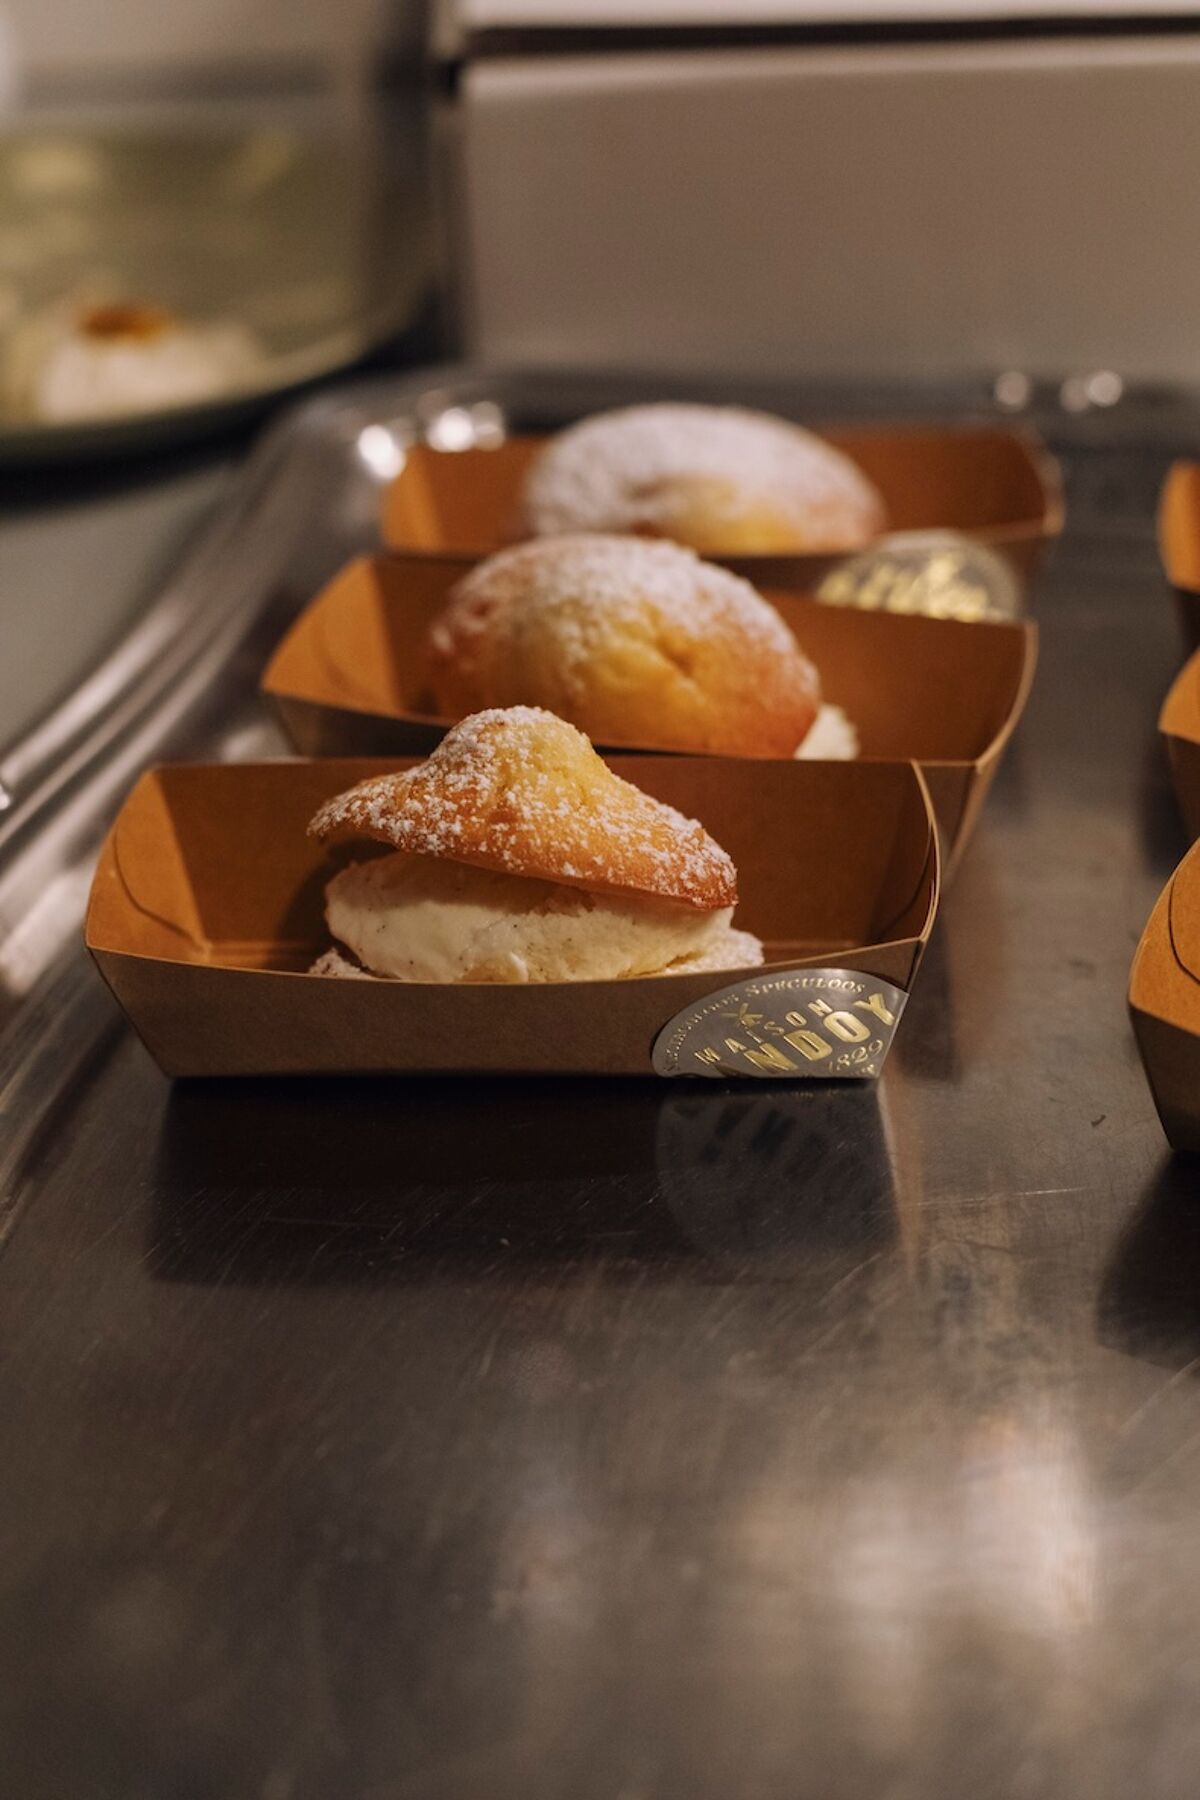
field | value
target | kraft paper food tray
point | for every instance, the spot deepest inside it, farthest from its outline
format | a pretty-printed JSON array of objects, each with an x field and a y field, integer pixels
[
  {"x": 1179, "y": 545},
  {"x": 206, "y": 908},
  {"x": 347, "y": 680},
  {"x": 1164, "y": 1003},
  {"x": 1179, "y": 722},
  {"x": 999, "y": 487}
]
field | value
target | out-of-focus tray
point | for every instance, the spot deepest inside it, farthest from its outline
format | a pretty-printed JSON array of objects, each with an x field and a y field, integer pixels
[
  {"x": 1179, "y": 544},
  {"x": 998, "y": 487},
  {"x": 311, "y": 238}
]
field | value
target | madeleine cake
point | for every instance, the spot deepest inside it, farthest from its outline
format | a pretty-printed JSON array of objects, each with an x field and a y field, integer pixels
[
  {"x": 515, "y": 854},
  {"x": 633, "y": 641}
]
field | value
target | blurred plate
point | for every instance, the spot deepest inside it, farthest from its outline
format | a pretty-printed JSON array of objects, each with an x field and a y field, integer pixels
[{"x": 317, "y": 243}]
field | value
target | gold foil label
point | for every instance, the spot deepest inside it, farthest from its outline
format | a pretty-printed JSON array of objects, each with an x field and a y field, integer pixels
[
  {"x": 786, "y": 1025},
  {"x": 938, "y": 573}
]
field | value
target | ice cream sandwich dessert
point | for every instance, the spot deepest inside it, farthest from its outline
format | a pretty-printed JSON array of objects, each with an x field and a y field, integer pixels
[
  {"x": 515, "y": 854},
  {"x": 636, "y": 642},
  {"x": 724, "y": 479}
]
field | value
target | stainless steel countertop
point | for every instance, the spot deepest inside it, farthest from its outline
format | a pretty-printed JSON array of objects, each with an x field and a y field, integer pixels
[{"x": 628, "y": 1442}]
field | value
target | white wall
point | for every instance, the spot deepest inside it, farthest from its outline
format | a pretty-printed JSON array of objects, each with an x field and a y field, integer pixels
[{"x": 917, "y": 210}]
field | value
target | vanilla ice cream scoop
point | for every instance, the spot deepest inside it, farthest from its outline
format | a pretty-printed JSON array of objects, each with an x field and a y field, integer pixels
[
  {"x": 424, "y": 918},
  {"x": 832, "y": 738}
]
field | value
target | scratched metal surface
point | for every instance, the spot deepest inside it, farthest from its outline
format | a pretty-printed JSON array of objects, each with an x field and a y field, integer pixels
[{"x": 626, "y": 1441}]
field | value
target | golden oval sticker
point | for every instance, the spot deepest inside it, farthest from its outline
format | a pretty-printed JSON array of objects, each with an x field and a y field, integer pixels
[
  {"x": 939, "y": 573},
  {"x": 787, "y": 1024}
]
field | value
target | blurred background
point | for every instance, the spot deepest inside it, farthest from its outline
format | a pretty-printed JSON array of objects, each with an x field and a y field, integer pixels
[
  {"x": 864, "y": 189},
  {"x": 70, "y": 48},
  {"x": 941, "y": 204}
]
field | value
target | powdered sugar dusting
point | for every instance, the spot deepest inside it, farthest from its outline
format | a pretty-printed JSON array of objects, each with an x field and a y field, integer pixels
[
  {"x": 595, "y": 582},
  {"x": 519, "y": 789},
  {"x": 615, "y": 470},
  {"x": 635, "y": 640}
]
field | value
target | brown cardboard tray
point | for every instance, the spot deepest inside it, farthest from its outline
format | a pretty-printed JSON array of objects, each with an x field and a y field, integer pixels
[
  {"x": 206, "y": 911},
  {"x": 1179, "y": 545},
  {"x": 1164, "y": 1003},
  {"x": 347, "y": 680},
  {"x": 999, "y": 487},
  {"x": 1179, "y": 722}
]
